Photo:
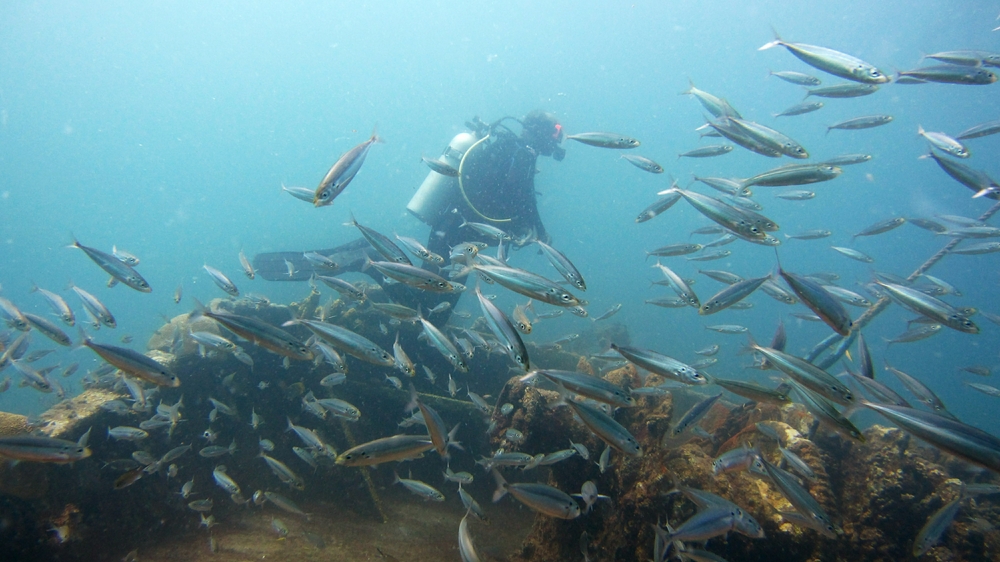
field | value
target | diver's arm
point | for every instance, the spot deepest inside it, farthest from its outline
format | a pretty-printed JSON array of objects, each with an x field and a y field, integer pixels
[{"x": 532, "y": 218}]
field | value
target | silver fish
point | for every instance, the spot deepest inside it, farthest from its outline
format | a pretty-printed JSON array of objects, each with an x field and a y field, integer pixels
[
  {"x": 540, "y": 497},
  {"x": 222, "y": 281},
  {"x": 848, "y": 159},
  {"x": 95, "y": 307},
  {"x": 529, "y": 284},
  {"x": 259, "y": 333},
  {"x": 58, "y": 304},
  {"x": 831, "y": 61},
  {"x": 605, "y": 140},
  {"x": 806, "y": 374},
  {"x": 661, "y": 364},
  {"x": 414, "y": 276},
  {"x": 605, "y": 427},
  {"x": 679, "y": 285},
  {"x": 563, "y": 265},
  {"x": 134, "y": 363},
  {"x": 825, "y": 412},
  {"x": 866, "y": 122},
  {"x": 707, "y": 151},
  {"x": 48, "y": 329},
  {"x": 440, "y": 167},
  {"x": 115, "y": 267},
  {"x": 386, "y": 449},
  {"x": 466, "y": 547},
  {"x": 944, "y": 143},
  {"x": 843, "y": 91},
  {"x": 504, "y": 330},
  {"x": 693, "y": 415},
  {"x": 819, "y": 300},
  {"x": 419, "y": 488},
  {"x": 796, "y": 78},
  {"x": 938, "y": 523},
  {"x": 643, "y": 163},
  {"x": 800, "y": 109},
  {"x": 342, "y": 172},
  {"x": 731, "y": 295},
  {"x": 953, "y": 437},
  {"x": 930, "y": 307},
  {"x": 952, "y": 74},
  {"x": 418, "y": 249},
  {"x": 590, "y": 386}
]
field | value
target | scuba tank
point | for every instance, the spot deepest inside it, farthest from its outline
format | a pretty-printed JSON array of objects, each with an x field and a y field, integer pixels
[{"x": 438, "y": 192}]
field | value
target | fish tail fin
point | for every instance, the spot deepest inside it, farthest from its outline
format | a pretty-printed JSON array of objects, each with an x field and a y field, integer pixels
[
  {"x": 199, "y": 310},
  {"x": 84, "y": 339},
  {"x": 501, "y": 490},
  {"x": 751, "y": 345},
  {"x": 375, "y": 138},
  {"x": 688, "y": 92},
  {"x": 76, "y": 243},
  {"x": 777, "y": 41}
]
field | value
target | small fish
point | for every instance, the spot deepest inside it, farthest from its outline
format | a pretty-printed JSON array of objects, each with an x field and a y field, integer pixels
[
  {"x": 386, "y": 449},
  {"x": 605, "y": 140},
  {"x": 342, "y": 172},
  {"x": 801, "y": 109},
  {"x": 853, "y": 254},
  {"x": 118, "y": 270},
  {"x": 539, "y": 497},
  {"x": 643, "y": 163},
  {"x": 658, "y": 207},
  {"x": 419, "y": 488},
  {"x": 727, "y": 329},
  {"x": 608, "y": 313},
  {"x": 708, "y": 351},
  {"x": 843, "y": 91},
  {"x": 981, "y": 130},
  {"x": 796, "y": 195},
  {"x": 221, "y": 280},
  {"x": 985, "y": 389},
  {"x": 707, "y": 151},
  {"x": 201, "y": 505},
  {"x": 944, "y": 143},
  {"x": 279, "y": 527},
  {"x": 848, "y": 159},
  {"x": 134, "y": 363},
  {"x": 931, "y": 532},
  {"x": 810, "y": 235},
  {"x": 178, "y": 292},
  {"x": 94, "y": 307},
  {"x": 247, "y": 267},
  {"x": 980, "y": 370},
  {"x": 952, "y": 74},
  {"x": 605, "y": 460},
  {"x": 125, "y": 257},
  {"x": 42, "y": 449},
  {"x": 129, "y": 478},
  {"x": 796, "y": 78},
  {"x": 58, "y": 304},
  {"x": 856, "y": 123},
  {"x": 440, "y": 167}
]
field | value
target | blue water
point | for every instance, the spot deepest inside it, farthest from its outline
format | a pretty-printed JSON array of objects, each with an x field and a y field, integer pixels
[{"x": 168, "y": 129}]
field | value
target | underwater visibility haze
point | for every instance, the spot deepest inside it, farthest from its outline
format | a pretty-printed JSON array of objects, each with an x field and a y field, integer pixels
[{"x": 821, "y": 155}]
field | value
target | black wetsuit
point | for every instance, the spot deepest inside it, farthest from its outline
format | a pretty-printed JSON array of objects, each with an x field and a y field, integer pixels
[{"x": 499, "y": 180}]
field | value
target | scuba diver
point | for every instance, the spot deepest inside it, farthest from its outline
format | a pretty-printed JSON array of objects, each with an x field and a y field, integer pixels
[{"x": 489, "y": 178}]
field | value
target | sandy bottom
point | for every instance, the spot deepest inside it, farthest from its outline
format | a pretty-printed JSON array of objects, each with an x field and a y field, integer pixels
[{"x": 415, "y": 531}]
